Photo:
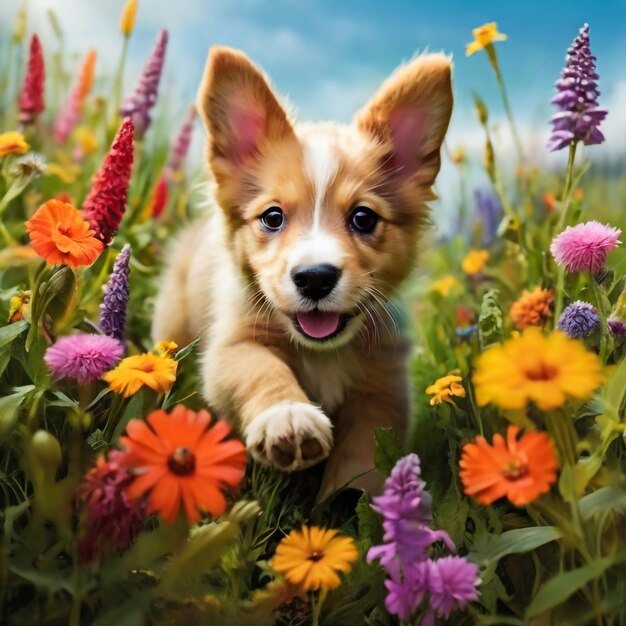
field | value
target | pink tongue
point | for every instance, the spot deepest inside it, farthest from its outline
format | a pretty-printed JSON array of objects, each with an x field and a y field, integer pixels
[{"x": 318, "y": 324}]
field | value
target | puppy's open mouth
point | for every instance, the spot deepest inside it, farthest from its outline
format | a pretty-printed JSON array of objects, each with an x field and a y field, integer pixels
[{"x": 320, "y": 325}]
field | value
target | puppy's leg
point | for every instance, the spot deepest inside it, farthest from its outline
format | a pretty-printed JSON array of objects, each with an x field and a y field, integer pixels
[
  {"x": 281, "y": 427},
  {"x": 385, "y": 404}
]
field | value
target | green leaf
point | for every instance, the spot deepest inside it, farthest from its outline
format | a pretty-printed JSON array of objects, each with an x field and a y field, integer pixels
[
  {"x": 490, "y": 324},
  {"x": 369, "y": 523},
  {"x": 612, "y": 498},
  {"x": 516, "y": 541},
  {"x": 183, "y": 353},
  {"x": 96, "y": 440},
  {"x": 11, "y": 332},
  {"x": 134, "y": 409},
  {"x": 562, "y": 586},
  {"x": 388, "y": 450},
  {"x": 9, "y": 409}
]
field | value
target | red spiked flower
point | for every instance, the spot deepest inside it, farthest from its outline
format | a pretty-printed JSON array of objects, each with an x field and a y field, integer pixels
[
  {"x": 106, "y": 202},
  {"x": 31, "y": 99},
  {"x": 159, "y": 198}
]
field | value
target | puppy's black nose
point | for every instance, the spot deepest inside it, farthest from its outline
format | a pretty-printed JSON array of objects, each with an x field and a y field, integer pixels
[{"x": 315, "y": 281}]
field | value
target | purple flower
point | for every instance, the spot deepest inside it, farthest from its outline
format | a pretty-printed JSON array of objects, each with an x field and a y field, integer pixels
[
  {"x": 452, "y": 582},
  {"x": 406, "y": 592},
  {"x": 577, "y": 98},
  {"x": 579, "y": 319},
  {"x": 584, "y": 247},
  {"x": 617, "y": 326},
  {"x": 139, "y": 104},
  {"x": 83, "y": 357},
  {"x": 111, "y": 518},
  {"x": 489, "y": 210},
  {"x": 180, "y": 147},
  {"x": 116, "y": 292}
]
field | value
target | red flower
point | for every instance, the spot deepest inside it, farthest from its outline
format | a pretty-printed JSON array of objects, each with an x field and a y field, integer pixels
[
  {"x": 159, "y": 198},
  {"x": 106, "y": 202},
  {"x": 32, "y": 100}
]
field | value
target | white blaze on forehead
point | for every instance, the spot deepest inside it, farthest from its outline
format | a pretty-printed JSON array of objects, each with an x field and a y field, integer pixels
[
  {"x": 316, "y": 247},
  {"x": 321, "y": 163}
]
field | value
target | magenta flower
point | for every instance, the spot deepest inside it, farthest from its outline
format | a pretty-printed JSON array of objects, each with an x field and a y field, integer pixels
[
  {"x": 584, "y": 247},
  {"x": 579, "y": 117},
  {"x": 112, "y": 519},
  {"x": 452, "y": 582},
  {"x": 83, "y": 357},
  {"x": 144, "y": 98}
]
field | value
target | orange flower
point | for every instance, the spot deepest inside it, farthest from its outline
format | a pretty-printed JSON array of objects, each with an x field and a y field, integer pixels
[
  {"x": 533, "y": 308},
  {"x": 180, "y": 458},
  {"x": 13, "y": 143},
  {"x": 59, "y": 234},
  {"x": 520, "y": 469},
  {"x": 156, "y": 371}
]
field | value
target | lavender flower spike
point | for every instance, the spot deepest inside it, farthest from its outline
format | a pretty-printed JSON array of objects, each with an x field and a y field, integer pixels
[
  {"x": 116, "y": 292},
  {"x": 577, "y": 98},
  {"x": 180, "y": 147},
  {"x": 139, "y": 104}
]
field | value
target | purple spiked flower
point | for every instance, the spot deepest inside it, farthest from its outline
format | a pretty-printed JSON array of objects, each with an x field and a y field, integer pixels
[
  {"x": 83, "y": 357},
  {"x": 139, "y": 104},
  {"x": 579, "y": 319},
  {"x": 180, "y": 147},
  {"x": 489, "y": 211},
  {"x": 577, "y": 98},
  {"x": 116, "y": 292}
]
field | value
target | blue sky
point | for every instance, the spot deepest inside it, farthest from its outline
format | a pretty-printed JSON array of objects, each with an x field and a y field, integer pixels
[{"x": 329, "y": 56}]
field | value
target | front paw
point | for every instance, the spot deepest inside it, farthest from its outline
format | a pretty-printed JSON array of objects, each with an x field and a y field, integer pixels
[{"x": 290, "y": 436}]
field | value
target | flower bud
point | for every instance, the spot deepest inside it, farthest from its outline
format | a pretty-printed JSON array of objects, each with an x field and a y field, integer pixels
[
  {"x": 127, "y": 20},
  {"x": 482, "y": 111},
  {"x": 46, "y": 452}
]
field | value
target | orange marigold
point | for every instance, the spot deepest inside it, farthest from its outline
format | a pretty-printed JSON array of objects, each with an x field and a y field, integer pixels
[
  {"x": 179, "y": 459},
  {"x": 520, "y": 469},
  {"x": 59, "y": 234},
  {"x": 533, "y": 308}
]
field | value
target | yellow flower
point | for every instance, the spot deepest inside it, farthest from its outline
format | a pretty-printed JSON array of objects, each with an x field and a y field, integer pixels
[
  {"x": 13, "y": 143},
  {"x": 458, "y": 155},
  {"x": 484, "y": 36},
  {"x": 445, "y": 387},
  {"x": 127, "y": 20},
  {"x": 67, "y": 173},
  {"x": 86, "y": 140},
  {"x": 445, "y": 285},
  {"x": 536, "y": 368},
  {"x": 474, "y": 262},
  {"x": 311, "y": 557},
  {"x": 151, "y": 370},
  {"x": 19, "y": 307},
  {"x": 166, "y": 348}
]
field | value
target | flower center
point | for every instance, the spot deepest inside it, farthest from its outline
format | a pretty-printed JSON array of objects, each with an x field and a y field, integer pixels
[
  {"x": 182, "y": 461},
  {"x": 316, "y": 556},
  {"x": 148, "y": 368},
  {"x": 515, "y": 469},
  {"x": 542, "y": 371}
]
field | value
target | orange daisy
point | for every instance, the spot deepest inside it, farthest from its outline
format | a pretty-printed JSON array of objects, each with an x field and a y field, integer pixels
[
  {"x": 532, "y": 308},
  {"x": 179, "y": 458},
  {"x": 311, "y": 558},
  {"x": 520, "y": 469},
  {"x": 60, "y": 234}
]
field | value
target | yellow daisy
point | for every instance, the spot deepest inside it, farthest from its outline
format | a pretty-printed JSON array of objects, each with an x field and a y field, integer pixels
[
  {"x": 151, "y": 370},
  {"x": 445, "y": 285},
  {"x": 13, "y": 143},
  {"x": 474, "y": 261},
  {"x": 535, "y": 368},
  {"x": 484, "y": 36},
  {"x": 445, "y": 387},
  {"x": 311, "y": 557}
]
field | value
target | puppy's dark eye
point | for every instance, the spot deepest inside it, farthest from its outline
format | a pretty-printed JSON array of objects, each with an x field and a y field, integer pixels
[
  {"x": 363, "y": 220},
  {"x": 273, "y": 218}
]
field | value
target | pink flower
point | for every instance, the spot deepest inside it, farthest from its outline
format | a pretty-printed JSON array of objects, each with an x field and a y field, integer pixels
[
  {"x": 83, "y": 357},
  {"x": 452, "y": 582},
  {"x": 112, "y": 520},
  {"x": 584, "y": 247}
]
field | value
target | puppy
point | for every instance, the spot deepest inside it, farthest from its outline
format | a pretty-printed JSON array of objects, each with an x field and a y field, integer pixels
[{"x": 290, "y": 280}]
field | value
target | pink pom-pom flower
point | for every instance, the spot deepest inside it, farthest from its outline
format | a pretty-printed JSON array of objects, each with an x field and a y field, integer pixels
[{"x": 584, "y": 247}]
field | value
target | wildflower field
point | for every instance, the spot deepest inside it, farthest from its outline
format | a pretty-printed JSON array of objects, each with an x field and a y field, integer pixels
[{"x": 124, "y": 501}]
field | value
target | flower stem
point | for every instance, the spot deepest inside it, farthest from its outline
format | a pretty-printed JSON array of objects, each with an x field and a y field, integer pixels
[
  {"x": 493, "y": 60},
  {"x": 316, "y": 607},
  {"x": 566, "y": 203},
  {"x": 119, "y": 81}
]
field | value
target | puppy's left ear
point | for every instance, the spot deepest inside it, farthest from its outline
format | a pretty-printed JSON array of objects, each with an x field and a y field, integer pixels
[{"x": 410, "y": 114}]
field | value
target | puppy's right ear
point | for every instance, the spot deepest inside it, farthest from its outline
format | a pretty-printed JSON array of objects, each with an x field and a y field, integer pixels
[{"x": 241, "y": 113}]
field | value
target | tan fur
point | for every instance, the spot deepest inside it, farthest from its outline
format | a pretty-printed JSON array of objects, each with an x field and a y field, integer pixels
[{"x": 294, "y": 400}]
